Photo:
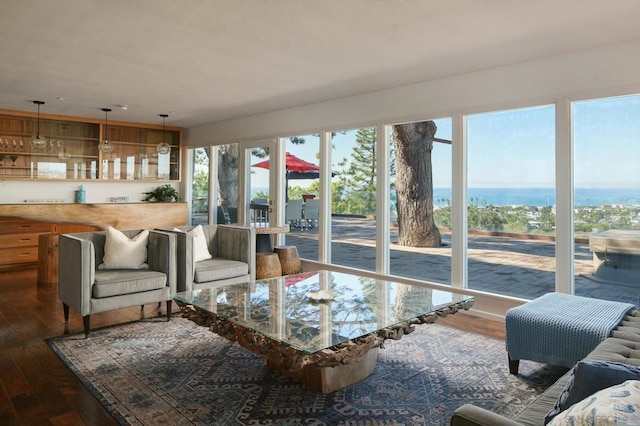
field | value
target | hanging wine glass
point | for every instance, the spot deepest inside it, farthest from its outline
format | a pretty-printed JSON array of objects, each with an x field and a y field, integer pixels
[
  {"x": 1, "y": 150},
  {"x": 14, "y": 157}
]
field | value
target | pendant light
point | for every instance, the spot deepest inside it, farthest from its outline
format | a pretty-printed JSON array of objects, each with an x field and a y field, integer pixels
[
  {"x": 64, "y": 153},
  {"x": 163, "y": 147},
  {"x": 105, "y": 145},
  {"x": 37, "y": 141}
]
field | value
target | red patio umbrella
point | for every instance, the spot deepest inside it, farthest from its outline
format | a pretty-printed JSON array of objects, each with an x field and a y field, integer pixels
[
  {"x": 292, "y": 164},
  {"x": 296, "y": 168}
]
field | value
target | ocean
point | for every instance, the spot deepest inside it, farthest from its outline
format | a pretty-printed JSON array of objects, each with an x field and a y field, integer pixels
[{"x": 539, "y": 197}]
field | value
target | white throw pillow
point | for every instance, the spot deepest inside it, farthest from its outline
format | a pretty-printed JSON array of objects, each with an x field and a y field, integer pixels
[
  {"x": 619, "y": 404},
  {"x": 200, "y": 247},
  {"x": 122, "y": 252}
]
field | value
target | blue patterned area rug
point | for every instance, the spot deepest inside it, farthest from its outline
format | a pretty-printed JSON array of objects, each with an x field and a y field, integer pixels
[{"x": 152, "y": 372}]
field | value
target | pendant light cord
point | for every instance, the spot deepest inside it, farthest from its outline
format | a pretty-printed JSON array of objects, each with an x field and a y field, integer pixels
[{"x": 38, "y": 103}]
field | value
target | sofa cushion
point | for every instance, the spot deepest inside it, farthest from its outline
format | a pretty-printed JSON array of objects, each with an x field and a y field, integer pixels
[
  {"x": 587, "y": 378},
  {"x": 619, "y": 404},
  {"x": 115, "y": 282},
  {"x": 200, "y": 247},
  {"x": 122, "y": 252},
  {"x": 218, "y": 269},
  {"x": 200, "y": 243}
]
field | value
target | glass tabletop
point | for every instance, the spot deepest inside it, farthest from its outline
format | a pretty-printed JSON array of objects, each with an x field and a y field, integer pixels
[{"x": 283, "y": 308}]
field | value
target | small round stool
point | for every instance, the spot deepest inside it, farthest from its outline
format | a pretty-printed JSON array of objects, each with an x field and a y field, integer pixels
[
  {"x": 267, "y": 266},
  {"x": 289, "y": 259}
]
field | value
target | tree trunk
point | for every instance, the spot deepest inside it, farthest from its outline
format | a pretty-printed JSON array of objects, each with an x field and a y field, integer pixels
[
  {"x": 410, "y": 299},
  {"x": 228, "y": 175},
  {"x": 413, "y": 143}
]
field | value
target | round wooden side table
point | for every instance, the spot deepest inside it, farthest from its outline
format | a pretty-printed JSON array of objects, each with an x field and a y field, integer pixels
[
  {"x": 267, "y": 266},
  {"x": 289, "y": 259},
  {"x": 263, "y": 236}
]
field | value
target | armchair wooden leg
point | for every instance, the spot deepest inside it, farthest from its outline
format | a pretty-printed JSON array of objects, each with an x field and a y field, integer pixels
[
  {"x": 65, "y": 309},
  {"x": 514, "y": 364},
  {"x": 169, "y": 302},
  {"x": 87, "y": 324}
]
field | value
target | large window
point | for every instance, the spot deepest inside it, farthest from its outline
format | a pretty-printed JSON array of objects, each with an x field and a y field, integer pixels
[
  {"x": 353, "y": 198},
  {"x": 200, "y": 186},
  {"x": 606, "y": 134},
  {"x": 510, "y": 207},
  {"x": 421, "y": 234},
  {"x": 511, "y": 201},
  {"x": 302, "y": 209},
  {"x": 227, "y": 184}
]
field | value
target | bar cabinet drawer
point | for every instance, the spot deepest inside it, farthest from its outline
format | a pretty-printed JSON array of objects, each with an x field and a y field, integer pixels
[
  {"x": 23, "y": 227},
  {"x": 19, "y": 240},
  {"x": 14, "y": 255}
]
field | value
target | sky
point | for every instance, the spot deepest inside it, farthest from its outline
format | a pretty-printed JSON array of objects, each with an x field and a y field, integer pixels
[{"x": 515, "y": 148}]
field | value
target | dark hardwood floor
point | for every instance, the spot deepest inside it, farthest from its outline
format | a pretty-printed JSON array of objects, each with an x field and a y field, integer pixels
[{"x": 36, "y": 388}]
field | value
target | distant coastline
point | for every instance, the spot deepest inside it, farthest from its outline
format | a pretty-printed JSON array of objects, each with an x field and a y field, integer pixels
[{"x": 539, "y": 197}]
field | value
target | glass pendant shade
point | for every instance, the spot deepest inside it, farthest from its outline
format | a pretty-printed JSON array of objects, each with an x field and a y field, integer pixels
[
  {"x": 37, "y": 140},
  {"x": 105, "y": 144},
  {"x": 163, "y": 147},
  {"x": 64, "y": 153}
]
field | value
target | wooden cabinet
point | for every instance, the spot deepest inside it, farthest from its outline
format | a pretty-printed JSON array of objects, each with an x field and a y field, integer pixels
[
  {"x": 72, "y": 149},
  {"x": 19, "y": 241}
]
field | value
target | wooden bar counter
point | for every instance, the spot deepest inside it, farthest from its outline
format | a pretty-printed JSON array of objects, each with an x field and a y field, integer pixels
[
  {"x": 118, "y": 215},
  {"x": 29, "y": 232}
]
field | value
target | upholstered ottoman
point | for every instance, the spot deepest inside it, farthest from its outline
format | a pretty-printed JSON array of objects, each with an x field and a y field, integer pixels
[{"x": 559, "y": 329}]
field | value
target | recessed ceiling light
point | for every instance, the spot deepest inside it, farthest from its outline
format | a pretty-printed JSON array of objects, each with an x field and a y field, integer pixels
[
  {"x": 62, "y": 98},
  {"x": 124, "y": 107}
]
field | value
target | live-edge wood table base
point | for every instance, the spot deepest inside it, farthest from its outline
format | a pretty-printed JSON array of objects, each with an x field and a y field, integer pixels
[{"x": 326, "y": 370}]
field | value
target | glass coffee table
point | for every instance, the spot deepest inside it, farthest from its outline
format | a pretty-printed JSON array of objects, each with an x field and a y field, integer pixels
[{"x": 323, "y": 328}]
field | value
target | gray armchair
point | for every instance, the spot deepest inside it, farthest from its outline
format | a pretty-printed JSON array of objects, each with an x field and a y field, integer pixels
[
  {"x": 234, "y": 255},
  {"x": 89, "y": 290}
]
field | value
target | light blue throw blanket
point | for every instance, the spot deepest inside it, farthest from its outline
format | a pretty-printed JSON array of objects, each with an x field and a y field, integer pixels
[{"x": 560, "y": 329}]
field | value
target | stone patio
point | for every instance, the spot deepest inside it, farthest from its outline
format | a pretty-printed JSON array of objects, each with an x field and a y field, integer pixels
[{"x": 514, "y": 267}]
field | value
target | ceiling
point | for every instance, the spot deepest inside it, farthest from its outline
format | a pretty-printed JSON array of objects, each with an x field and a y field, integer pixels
[{"x": 204, "y": 61}]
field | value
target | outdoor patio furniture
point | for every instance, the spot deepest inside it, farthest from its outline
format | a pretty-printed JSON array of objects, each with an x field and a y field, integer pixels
[
  {"x": 293, "y": 213},
  {"x": 227, "y": 215},
  {"x": 311, "y": 212},
  {"x": 616, "y": 255},
  {"x": 259, "y": 210}
]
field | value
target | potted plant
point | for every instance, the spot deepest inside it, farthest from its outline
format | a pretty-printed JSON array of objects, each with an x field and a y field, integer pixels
[{"x": 163, "y": 194}]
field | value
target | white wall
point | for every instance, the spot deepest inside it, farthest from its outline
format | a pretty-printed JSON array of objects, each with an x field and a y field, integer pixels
[
  {"x": 609, "y": 69},
  {"x": 15, "y": 192}
]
